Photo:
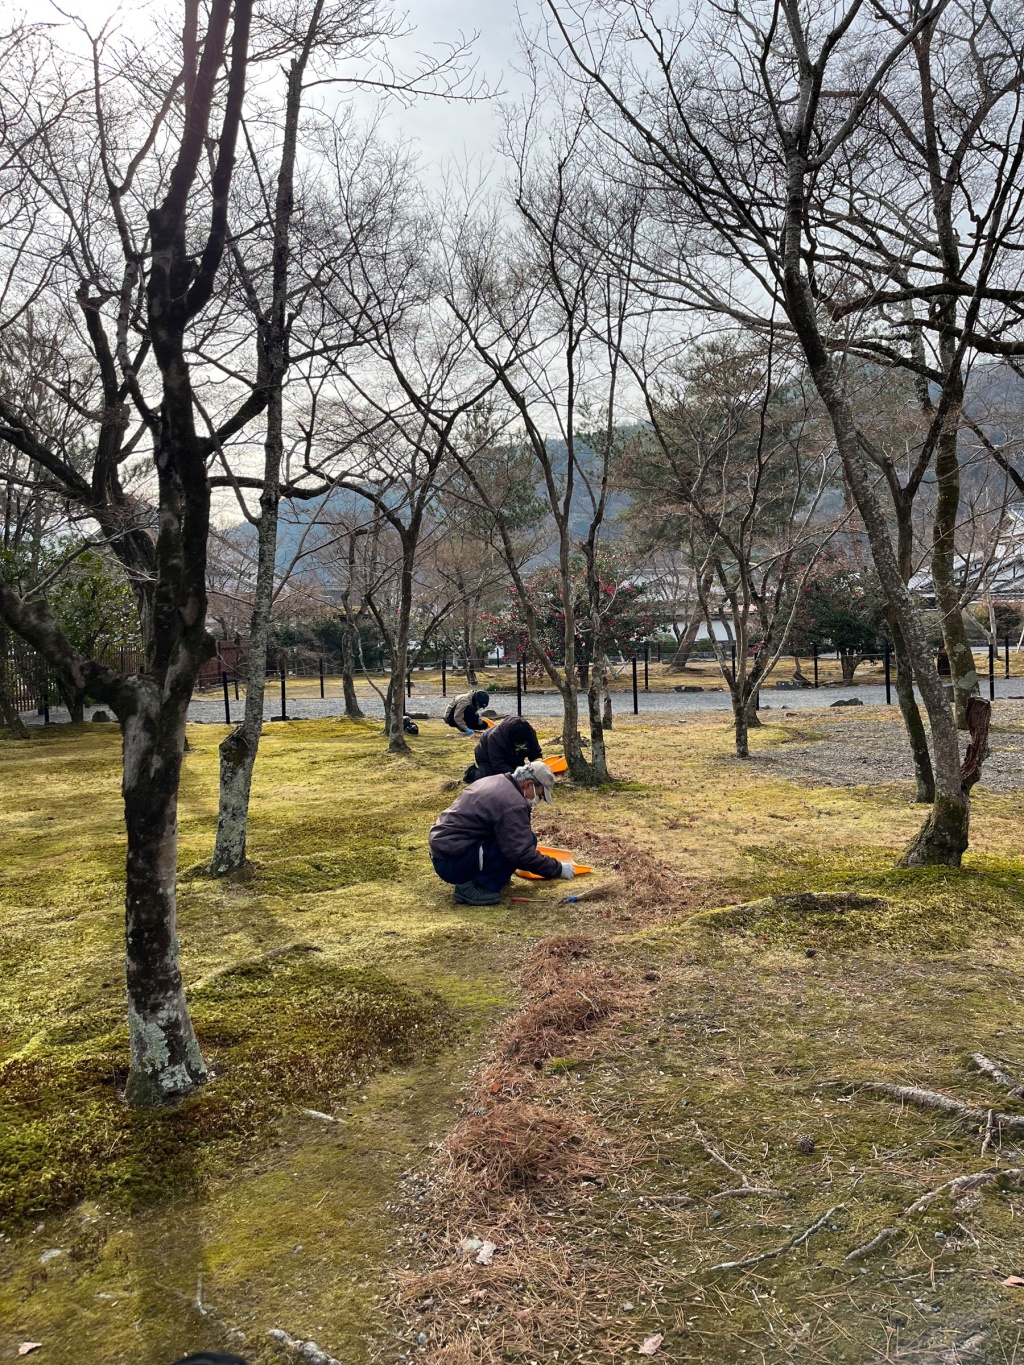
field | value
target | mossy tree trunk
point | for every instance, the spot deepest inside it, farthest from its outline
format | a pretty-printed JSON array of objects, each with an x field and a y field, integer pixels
[
  {"x": 166, "y": 1062},
  {"x": 911, "y": 713},
  {"x": 239, "y": 748}
]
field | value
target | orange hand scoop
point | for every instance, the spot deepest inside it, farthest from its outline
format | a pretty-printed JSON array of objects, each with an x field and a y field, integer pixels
[{"x": 563, "y": 855}]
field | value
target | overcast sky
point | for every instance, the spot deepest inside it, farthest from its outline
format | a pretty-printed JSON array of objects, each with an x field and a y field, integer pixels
[{"x": 440, "y": 130}]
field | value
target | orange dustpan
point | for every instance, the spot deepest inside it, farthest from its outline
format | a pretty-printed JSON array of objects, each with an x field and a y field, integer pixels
[
  {"x": 563, "y": 855},
  {"x": 557, "y": 764}
]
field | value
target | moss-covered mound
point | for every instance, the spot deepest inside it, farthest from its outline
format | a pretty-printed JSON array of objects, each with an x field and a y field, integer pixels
[{"x": 278, "y": 1034}]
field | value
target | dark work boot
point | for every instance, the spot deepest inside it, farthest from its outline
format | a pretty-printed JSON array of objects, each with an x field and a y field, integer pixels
[{"x": 468, "y": 893}]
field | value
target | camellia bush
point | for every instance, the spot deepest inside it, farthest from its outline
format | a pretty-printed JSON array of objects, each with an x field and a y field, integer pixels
[{"x": 839, "y": 607}]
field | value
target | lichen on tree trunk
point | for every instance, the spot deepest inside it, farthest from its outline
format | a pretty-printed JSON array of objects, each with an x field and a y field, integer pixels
[{"x": 166, "y": 1063}]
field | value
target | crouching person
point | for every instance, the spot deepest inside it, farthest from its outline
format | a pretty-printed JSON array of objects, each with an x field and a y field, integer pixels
[
  {"x": 504, "y": 748},
  {"x": 485, "y": 835}
]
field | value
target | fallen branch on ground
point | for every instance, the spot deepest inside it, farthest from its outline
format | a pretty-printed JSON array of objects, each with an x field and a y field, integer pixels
[
  {"x": 748, "y": 1191},
  {"x": 308, "y": 1351},
  {"x": 956, "y": 1187},
  {"x": 745, "y": 1190},
  {"x": 981, "y": 1063},
  {"x": 879, "y": 1240},
  {"x": 769, "y": 1255},
  {"x": 931, "y": 1099}
]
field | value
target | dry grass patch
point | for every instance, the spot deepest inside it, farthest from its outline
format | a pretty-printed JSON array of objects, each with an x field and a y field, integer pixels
[{"x": 521, "y": 1145}]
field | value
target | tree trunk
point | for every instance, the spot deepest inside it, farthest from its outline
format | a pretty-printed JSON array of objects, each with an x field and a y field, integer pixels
[
  {"x": 849, "y": 660},
  {"x": 348, "y": 670},
  {"x": 8, "y": 710},
  {"x": 916, "y": 735},
  {"x": 239, "y": 748},
  {"x": 469, "y": 642},
  {"x": 947, "y": 594},
  {"x": 741, "y": 724},
  {"x": 681, "y": 657},
  {"x": 579, "y": 768},
  {"x": 598, "y": 752},
  {"x": 166, "y": 1063},
  {"x": 395, "y": 707},
  {"x": 943, "y": 838}
]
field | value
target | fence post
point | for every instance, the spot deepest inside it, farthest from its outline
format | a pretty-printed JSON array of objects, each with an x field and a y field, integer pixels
[
  {"x": 814, "y": 655},
  {"x": 444, "y": 677},
  {"x": 236, "y": 681},
  {"x": 659, "y": 649},
  {"x": 647, "y": 660},
  {"x": 321, "y": 677},
  {"x": 636, "y": 703},
  {"x": 284, "y": 700},
  {"x": 1006, "y": 643},
  {"x": 227, "y": 699},
  {"x": 991, "y": 672},
  {"x": 888, "y": 674},
  {"x": 519, "y": 688},
  {"x": 523, "y": 663}
]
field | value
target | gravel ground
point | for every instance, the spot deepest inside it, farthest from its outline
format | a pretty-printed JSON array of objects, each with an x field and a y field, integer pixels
[{"x": 872, "y": 749}]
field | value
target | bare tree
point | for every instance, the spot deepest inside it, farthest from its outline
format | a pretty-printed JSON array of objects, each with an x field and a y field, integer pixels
[
  {"x": 684, "y": 116},
  {"x": 133, "y": 230},
  {"x": 293, "y": 326},
  {"x": 740, "y": 463}
]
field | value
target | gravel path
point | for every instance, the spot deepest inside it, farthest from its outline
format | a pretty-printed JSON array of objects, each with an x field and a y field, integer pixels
[
  {"x": 849, "y": 752},
  {"x": 873, "y": 749}
]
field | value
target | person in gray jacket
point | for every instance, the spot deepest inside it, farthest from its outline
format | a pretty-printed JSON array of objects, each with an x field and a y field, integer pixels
[
  {"x": 463, "y": 713},
  {"x": 485, "y": 835}
]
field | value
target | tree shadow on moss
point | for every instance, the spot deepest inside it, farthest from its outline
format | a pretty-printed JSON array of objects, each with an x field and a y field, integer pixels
[{"x": 278, "y": 1034}]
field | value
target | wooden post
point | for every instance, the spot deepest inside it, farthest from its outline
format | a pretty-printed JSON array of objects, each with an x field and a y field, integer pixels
[
  {"x": 444, "y": 677},
  {"x": 636, "y": 703},
  {"x": 991, "y": 672},
  {"x": 227, "y": 697},
  {"x": 520, "y": 668},
  {"x": 647, "y": 660},
  {"x": 888, "y": 674},
  {"x": 321, "y": 677},
  {"x": 814, "y": 656}
]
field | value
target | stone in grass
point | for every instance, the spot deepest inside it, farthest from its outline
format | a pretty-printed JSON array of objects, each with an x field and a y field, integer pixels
[
  {"x": 848, "y": 701},
  {"x": 804, "y": 1144},
  {"x": 99, "y": 716}
]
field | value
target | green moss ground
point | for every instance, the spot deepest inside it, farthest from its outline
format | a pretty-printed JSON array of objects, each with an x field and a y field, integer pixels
[{"x": 387, "y": 992}]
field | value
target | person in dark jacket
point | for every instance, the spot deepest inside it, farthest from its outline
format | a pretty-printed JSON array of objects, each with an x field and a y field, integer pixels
[
  {"x": 504, "y": 748},
  {"x": 485, "y": 835},
  {"x": 463, "y": 713}
]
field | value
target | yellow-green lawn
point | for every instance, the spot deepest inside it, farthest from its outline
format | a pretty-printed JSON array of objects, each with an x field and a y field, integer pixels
[{"x": 241, "y": 1211}]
